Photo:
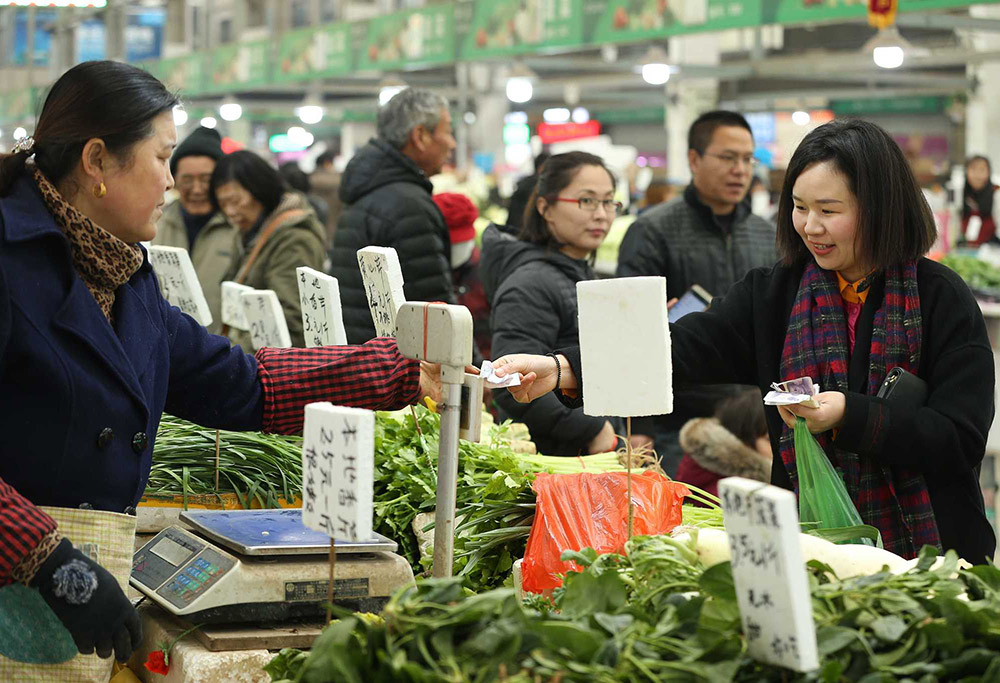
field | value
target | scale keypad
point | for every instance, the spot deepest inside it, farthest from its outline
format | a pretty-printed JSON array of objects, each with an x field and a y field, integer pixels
[{"x": 200, "y": 574}]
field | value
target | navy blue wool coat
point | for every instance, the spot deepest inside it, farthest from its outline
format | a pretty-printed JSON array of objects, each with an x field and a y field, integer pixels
[{"x": 80, "y": 399}]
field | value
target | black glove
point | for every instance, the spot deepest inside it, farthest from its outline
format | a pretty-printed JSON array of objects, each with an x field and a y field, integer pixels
[{"x": 89, "y": 602}]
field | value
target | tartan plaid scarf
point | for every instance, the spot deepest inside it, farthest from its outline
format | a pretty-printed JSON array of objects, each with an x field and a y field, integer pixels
[{"x": 893, "y": 499}]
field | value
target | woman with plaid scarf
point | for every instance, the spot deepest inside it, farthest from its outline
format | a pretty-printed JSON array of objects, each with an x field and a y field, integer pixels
[{"x": 851, "y": 299}]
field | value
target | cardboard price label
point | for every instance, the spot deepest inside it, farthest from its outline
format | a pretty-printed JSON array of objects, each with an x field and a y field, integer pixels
[
  {"x": 338, "y": 461},
  {"x": 265, "y": 319},
  {"x": 322, "y": 317},
  {"x": 179, "y": 283}
]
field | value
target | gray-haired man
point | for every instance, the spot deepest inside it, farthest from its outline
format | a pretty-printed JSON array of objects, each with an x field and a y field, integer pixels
[{"x": 387, "y": 193}]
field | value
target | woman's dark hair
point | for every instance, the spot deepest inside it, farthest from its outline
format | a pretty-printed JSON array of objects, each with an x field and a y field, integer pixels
[
  {"x": 981, "y": 199},
  {"x": 295, "y": 177},
  {"x": 895, "y": 224},
  {"x": 113, "y": 101},
  {"x": 557, "y": 173},
  {"x": 257, "y": 177},
  {"x": 743, "y": 415}
]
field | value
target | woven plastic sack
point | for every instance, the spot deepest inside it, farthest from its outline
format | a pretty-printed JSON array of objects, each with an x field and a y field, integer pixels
[
  {"x": 823, "y": 498},
  {"x": 590, "y": 510}
]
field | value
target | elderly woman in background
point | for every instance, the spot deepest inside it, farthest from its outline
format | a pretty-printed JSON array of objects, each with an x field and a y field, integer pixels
[{"x": 277, "y": 231}]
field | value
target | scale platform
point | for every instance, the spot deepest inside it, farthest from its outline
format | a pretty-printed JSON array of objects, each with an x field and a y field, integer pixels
[{"x": 249, "y": 566}]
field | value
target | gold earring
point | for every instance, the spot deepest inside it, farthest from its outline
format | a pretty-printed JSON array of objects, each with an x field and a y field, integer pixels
[{"x": 100, "y": 190}]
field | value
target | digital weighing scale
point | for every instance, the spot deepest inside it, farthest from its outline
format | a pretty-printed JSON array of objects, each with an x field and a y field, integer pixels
[{"x": 241, "y": 566}]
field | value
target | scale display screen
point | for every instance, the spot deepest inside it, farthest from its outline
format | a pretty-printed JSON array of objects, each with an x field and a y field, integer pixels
[{"x": 171, "y": 551}]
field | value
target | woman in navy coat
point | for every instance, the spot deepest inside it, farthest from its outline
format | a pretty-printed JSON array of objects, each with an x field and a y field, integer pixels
[{"x": 91, "y": 354}]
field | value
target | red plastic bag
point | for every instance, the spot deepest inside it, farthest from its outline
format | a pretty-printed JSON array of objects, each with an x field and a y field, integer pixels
[{"x": 590, "y": 510}]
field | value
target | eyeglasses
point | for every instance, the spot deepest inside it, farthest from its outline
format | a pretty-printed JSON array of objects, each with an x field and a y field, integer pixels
[
  {"x": 186, "y": 182},
  {"x": 590, "y": 204},
  {"x": 733, "y": 160}
]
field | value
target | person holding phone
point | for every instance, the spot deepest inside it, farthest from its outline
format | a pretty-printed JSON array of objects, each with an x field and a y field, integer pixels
[
  {"x": 709, "y": 238},
  {"x": 531, "y": 283},
  {"x": 851, "y": 300}
]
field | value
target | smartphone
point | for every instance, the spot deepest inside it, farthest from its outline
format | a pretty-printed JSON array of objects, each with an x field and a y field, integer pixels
[{"x": 694, "y": 300}]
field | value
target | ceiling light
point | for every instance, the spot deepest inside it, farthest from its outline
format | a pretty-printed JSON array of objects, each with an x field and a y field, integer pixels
[
  {"x": 180, "y": 116},
  {"x": 310, "y": 114},
  {"x": 300, "y": 136},
  {"x": 209, "y": 122},
  {"x": 889, "y": 49},
  {"x": 557, "y": 115},
  {"x": 469, "y": 118},
  {"x": 389, "y": 87},
  {"x": 580, "y": 115},
  {"x": 230, "y": 110},
  {"x": 801, "y": 118},
  {"x": 519, "y": 83},
  {"x": 19, "y": 133},
  {"x": 655, "y": 69}
]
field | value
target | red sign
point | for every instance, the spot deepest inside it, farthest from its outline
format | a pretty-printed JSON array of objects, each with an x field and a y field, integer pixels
[{"x": 560, "y": 132}]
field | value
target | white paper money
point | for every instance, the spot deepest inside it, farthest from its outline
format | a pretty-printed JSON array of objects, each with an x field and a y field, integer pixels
[
  {"x": 489, "y": 375},
  {"x": 793, "y": 392}
]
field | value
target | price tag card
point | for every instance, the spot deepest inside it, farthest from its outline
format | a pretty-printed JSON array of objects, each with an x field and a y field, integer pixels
[
  {"x": 772, "y": 587},
  {"x": 179, "y": 283},
  {"x": 232, "y": 305},
  {"x": 265, "y": 319},
  {"x": 625, "y": 313},
  {"x": 322, "y": 317},
  {"x": 383, "y": 280},
  {"x": 338, "y": 461}
]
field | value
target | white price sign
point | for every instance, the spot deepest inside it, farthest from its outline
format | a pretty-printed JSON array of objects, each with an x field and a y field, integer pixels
[
  {"x": 383, "y": 280},
  {"x": 232, "y": 305},
  {"x": 265, "y": 319},
  {"x": 179, "y": 283},
  {"x": 338, "y": 460},
  {"x": 322, "y": 317},
  {"x": 772, "y": 588}
]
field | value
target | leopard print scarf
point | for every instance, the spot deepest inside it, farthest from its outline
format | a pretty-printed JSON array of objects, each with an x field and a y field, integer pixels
[{"x": 102, "y": 261}]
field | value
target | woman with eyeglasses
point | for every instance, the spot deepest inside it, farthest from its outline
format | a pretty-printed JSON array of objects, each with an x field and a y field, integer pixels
[
  {"x": 852, "y": 299},
  {"x": 530, "y": 280}
]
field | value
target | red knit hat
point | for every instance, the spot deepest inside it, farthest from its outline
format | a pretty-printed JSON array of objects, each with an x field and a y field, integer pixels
[{"x": 459, "y": 214}]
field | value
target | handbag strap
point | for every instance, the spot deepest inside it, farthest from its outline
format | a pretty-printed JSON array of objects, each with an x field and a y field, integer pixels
[{"x": 265, "y": 235}]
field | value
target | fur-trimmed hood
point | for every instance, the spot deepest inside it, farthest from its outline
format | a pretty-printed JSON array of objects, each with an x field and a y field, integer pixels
[{"x": 716, "y": 449}]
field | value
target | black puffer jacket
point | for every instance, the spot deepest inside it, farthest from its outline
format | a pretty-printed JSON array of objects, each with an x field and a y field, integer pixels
[
  {"x": 388, "y": 204},
  {"x": 532, "y": 293}
]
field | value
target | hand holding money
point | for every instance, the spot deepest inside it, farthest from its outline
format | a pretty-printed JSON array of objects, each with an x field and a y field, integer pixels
[{"x": 793, "y": 392}]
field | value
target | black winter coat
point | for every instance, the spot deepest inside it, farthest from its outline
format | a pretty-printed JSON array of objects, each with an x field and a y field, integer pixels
[
  {"x": 532, "y": 293},
  {"x": 740, "y": 339},
  {"x": 388, "y": 204}
]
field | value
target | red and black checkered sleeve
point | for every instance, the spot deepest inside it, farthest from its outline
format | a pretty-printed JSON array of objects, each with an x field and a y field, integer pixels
[
  {"x": 22, "y": 528},
  {"x": 373, "y": 375}
]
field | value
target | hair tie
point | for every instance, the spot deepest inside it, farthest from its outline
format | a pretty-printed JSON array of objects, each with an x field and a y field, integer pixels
[{"x": 25, "y": 145}]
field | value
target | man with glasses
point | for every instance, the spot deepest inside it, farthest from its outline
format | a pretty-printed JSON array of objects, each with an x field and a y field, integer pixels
[
  {"x": 706, "y": 237},
  {"x": 191, "y": 224}
]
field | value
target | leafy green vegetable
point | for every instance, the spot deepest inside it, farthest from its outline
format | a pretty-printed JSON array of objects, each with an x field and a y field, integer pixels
[{"x": 615, "y": 621}]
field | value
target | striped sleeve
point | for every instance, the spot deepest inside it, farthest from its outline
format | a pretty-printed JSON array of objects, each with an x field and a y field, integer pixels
[
  {"x": 23, "y": 527},
  {"x": 373, "y": 375}
]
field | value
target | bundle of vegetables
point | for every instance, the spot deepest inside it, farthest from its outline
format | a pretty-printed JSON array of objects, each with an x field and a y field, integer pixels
[
  {"x": 981, "y": 276},
  {"x": 658, "y": 614},
  {"x": 256, "y": 467}
]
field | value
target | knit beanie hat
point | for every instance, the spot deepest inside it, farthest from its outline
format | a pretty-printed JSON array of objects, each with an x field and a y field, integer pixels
[
  {"x": 203, "y": 142},
  {"x": 459, "y": 214}
]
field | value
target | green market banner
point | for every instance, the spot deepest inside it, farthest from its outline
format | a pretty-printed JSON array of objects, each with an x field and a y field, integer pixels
[
  {"x": 239, "y": 64},
  {"x": 894, "y": 105},
  {"x": 808, "y": 11},
  {"x": 411, "y": 37},
  {"x": 513, "y": 27},
  {"x": 184, "y": 74},
  {"x": 624, "y": 21},
  {"x": 314, "y": 53}
]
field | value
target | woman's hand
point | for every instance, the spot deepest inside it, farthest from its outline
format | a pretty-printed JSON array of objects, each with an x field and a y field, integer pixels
[
  {"x": 829, "y": 415},
  {"x": 538, "y": 374},
  {"x": 605, "y": 441}
]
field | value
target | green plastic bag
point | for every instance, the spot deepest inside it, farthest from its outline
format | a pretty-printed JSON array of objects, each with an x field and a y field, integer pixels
[{"x": 823, "y": 498}]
